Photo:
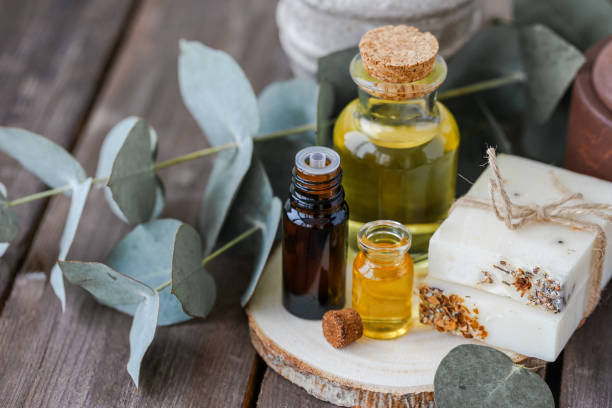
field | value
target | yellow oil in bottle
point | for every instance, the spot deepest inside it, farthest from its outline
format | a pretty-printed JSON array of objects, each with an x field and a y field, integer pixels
[
  {"x": 382, "y": 280},
  {"x": 399, "y": 158}
]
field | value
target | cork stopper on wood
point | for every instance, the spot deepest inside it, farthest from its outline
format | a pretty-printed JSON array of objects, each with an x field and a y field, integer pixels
[
  {"x": 342, "y": 327},
  {"x": 398, "y": 53}
]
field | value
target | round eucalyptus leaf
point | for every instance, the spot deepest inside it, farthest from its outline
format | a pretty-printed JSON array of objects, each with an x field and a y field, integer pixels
[
  {"x": 114, "y": 288},
  {"x": 255, "y": 206},
  {"x": 336, "y": 90},
  {"x": 132, "y": 180},
  {"x": 108, "y": 153},
  {"x": 145, "y": 254},
  {"x": 334, "y": 69},
  {"x": 581, "y": 22},
  {"x": 220, "y": 98},
  {"x": 494, "y": 52},
  {"x": 191, "y": 283},
  {"x": 551, "y": 64},
  {"x": 326, "y": 101},
  {"x": 113, "y": 142},
  {"x": 78, "y": 199},
  {"x": 254, "y": 209},
  {"x": 9, "y": 225},
  {"x": 285, "y": 105},
  {"x": 8, "y": 222},
  {"x": 473, "y": 376},
  {"x": 217, "y": 93},
  {"x": 48, "y": 161},
  {"x": 223, "y": 183}
]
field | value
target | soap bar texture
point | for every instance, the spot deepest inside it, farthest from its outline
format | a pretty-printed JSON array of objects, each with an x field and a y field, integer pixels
[
  {"x": 528, "y": 283},
  {"x": 499, "y": 321}
]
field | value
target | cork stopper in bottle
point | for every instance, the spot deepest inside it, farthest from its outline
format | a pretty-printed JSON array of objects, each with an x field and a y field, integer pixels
[
  {"x": 398, "y": 53},
  {"x": 342, "y": 327}
]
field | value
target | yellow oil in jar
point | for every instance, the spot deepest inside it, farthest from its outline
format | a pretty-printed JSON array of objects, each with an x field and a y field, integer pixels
[
  {"x": 405, "y": 172},
  {"x": 382, "y": 280}
]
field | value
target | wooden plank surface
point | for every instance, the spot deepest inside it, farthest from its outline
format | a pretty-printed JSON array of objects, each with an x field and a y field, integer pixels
[
  {"x": 68, "y": 70},
  {"x": 53, "y": 55},
  {"x": 586, "y": 379},
  {"x": 276, "y": 392},
  {"x": 78, "y": 358}
]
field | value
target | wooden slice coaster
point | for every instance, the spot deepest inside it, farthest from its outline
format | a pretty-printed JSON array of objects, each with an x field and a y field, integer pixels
[{"x": 367, "y": 373}]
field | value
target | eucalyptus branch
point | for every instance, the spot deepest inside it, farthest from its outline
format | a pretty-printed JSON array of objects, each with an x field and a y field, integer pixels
[
  {"x": 230, "y": 244},
  {"x": 163, "y": 286},
  {"x": 194, "y": 155},
  {"x": 38, "y": 196},
  {"x": 218, "y": 252},
  {"x": 484, "y": 85},
  {"x": 169, "y": 163},
  {"x": 286, "y": 132},
  {"x": 515, "y": 77},
  {"x": 49, "y": 193}
]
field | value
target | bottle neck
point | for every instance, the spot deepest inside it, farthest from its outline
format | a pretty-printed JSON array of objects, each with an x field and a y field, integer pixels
[
  {"x": 398, "y": 104},
  {"x": 385, "y": 258},
  {"x": 384, "y": 242},
  {"x": 316, "y": 193},
  {"x": 399, "y": 113}
]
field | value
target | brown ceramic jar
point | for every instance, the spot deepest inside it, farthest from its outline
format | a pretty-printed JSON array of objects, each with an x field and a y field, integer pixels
[{"x": 589, "y": 139}]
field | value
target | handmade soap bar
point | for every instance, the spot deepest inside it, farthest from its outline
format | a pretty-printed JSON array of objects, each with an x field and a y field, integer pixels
[
  {"x": 499, "y": 321},
  {"x": 525, "y": 288},
  {"x": 540, "y": 264}
]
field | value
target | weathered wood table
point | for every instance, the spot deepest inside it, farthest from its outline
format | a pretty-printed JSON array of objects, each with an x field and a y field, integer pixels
[{"x": 70, "y": 70}]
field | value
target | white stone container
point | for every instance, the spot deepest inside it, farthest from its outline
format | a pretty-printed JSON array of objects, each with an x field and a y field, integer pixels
[{"x": 310, "y": 29}]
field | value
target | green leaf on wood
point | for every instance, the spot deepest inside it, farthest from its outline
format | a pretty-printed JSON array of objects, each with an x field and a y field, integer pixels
[
  {"x": 336, "y": 90},
  {"x": 551, "y": 64},
  {"x": 142, "y": 333},
  {"x": 57, "y": 168},
  {"x": 77, "y": 204},
  {"x": 223, "y": 183},
  {"x": 108, "y": 153},
  {"x": 217, "y": 93},
  {"x": 9, "y": 224},
  {"x": 145, "y": 254},
  {"x": 220, "y": 98},
  {"x": 582, "y": 23},
  {"x": 501, "y": 51},
  {"x": 334, "y": 69},
  {"x": 47, "y": 160},
  {"x": 255, "y": 206},
  {"x": 473, "y": 376},
  {"x": 547, "y": 142},
  {"x": 285, "y": 105},
  {"x": 191, "y": 283},
  {"x": 494, "y": 52},
  {"x": 132, "y": 180},
  {"x": 487, "y": 118},
  {"x": 112, "y": 287}
]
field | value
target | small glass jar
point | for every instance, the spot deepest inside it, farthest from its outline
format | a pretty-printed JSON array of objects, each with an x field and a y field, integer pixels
[
  {"x": 315, "y": 235},
  {"x": 382, "y": 279}
]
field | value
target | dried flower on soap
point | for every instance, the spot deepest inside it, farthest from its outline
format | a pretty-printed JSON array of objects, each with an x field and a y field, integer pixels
[
  {"x": 536, "y": 285},
  {"x": 448, "y": 313}
]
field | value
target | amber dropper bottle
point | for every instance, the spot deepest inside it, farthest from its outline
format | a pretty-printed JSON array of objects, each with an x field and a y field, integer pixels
[{"x": 315, "y": 235}]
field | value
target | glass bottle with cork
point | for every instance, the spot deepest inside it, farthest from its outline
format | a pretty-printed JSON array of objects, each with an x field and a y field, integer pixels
[
  {"x": 398, "y": 145},
  {"x": 315, "y": 231}
]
